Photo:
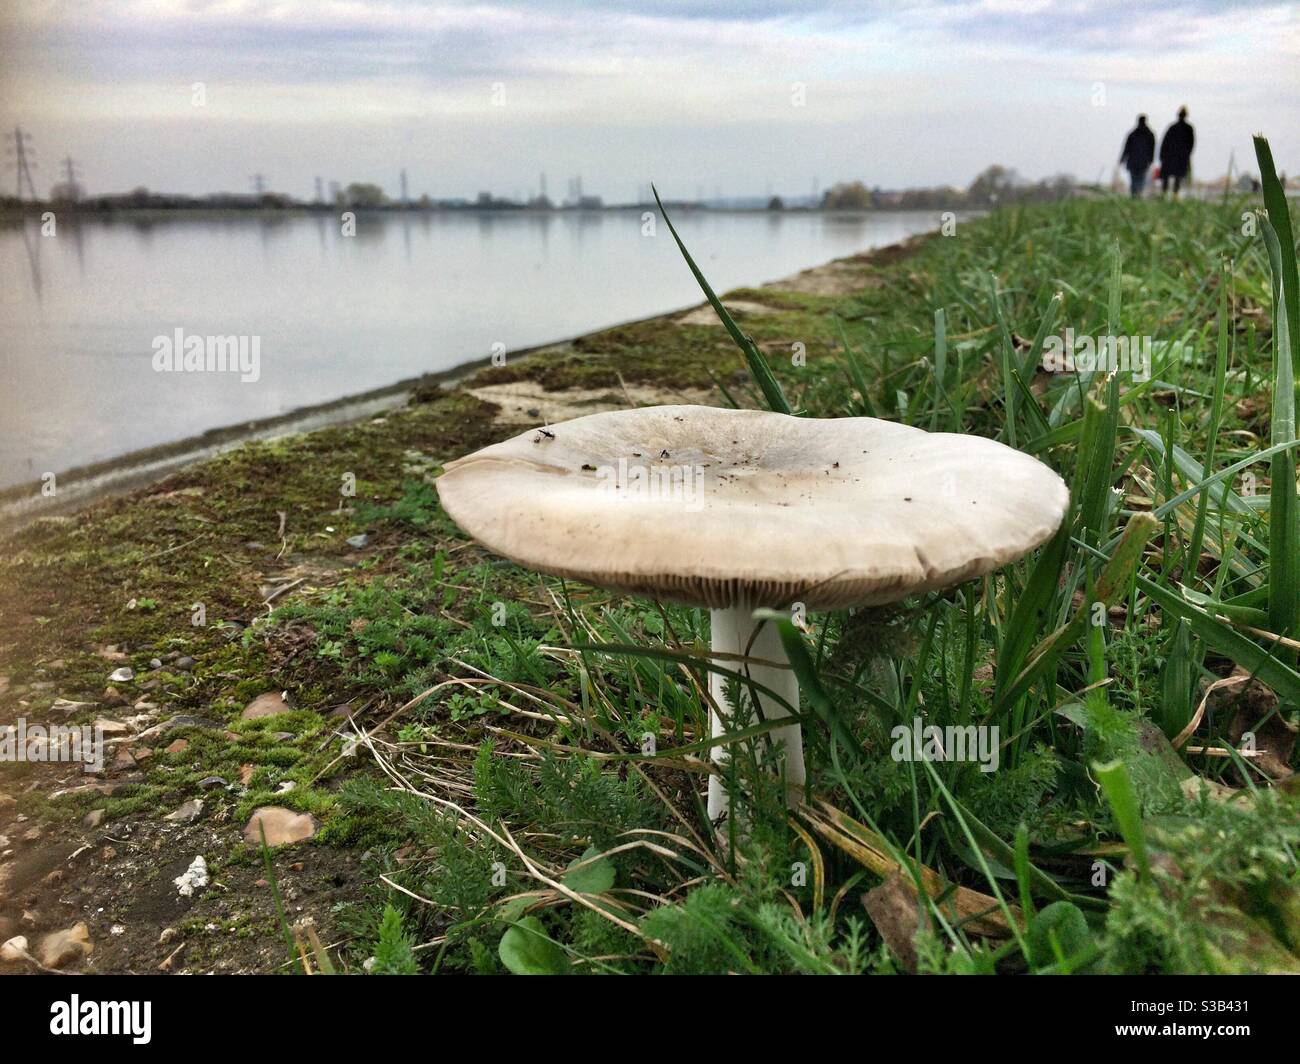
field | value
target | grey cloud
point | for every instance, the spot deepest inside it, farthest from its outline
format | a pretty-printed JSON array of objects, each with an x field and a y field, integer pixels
[{"x": 527, "y": 36}]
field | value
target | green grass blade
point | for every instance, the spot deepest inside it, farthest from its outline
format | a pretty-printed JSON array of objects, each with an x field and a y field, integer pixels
[
  {"x": 758, "y": 364},
  {"x": 1275, "y": 202},
  {"x": 1009, "y": 392},
  {"x": 1118, "y": 788},
  {"x": 1227, "y": 641},
  {"x": 810, "y": 685},
  {"x": 1114, "y": 579},
  {"x": 1283, "y": 530},
  {"x": 856, "y": 374},
  {"x": 1216, "y": 416},
  {"x": 988, "y": 841},
  {"x": 1032, "y": 607},
  {"x": 940, "y": 367}
]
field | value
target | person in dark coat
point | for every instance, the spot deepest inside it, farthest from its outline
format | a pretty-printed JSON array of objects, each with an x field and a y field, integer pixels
[
  {"x": 1176, "y": 152},
  {"x": 1139, "y": 150}
]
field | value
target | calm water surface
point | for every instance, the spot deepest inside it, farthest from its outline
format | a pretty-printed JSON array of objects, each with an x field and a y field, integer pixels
[{"x": 335, "y": 315}]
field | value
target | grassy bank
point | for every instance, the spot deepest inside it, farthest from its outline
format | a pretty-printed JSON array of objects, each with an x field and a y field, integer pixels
[{"x": 470, "y": 736}]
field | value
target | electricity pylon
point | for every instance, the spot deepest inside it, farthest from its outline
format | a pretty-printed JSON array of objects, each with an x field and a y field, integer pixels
[{"x": 22, "y": 164}]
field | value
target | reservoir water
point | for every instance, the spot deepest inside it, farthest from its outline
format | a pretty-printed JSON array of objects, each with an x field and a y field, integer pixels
[{"x": 89, "y": 312}]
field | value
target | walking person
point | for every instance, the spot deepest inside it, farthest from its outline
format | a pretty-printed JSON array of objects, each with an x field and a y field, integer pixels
[
  {"x": 1139, "y": 150},
  {"x": 1176, "y": 152}
]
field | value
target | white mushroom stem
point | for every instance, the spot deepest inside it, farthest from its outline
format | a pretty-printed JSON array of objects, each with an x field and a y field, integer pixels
[{"x": 732, "y": 630}]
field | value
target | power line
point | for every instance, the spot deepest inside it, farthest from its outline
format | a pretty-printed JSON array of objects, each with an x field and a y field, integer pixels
[
  {"x": 259, "y": 184},
  {"x": 22, "y": 164}
]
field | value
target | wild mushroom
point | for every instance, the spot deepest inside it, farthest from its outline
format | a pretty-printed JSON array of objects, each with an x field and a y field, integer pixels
[{"x": 741, "y": 509}]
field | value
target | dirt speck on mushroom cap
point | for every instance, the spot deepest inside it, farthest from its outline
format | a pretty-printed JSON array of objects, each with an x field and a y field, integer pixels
[{"x": 752, "y": 507}]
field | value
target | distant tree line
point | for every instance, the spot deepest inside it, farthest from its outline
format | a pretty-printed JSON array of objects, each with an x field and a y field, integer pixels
[
  {"x": 358, "y": 195},
  {"x": 994, "y": 185}
]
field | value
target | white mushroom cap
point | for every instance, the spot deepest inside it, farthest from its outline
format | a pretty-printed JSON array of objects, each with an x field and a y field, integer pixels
[{"x": 722, "y": 507}]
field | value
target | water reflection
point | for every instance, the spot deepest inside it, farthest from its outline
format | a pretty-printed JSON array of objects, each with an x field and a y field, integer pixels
[
  {"x": 335, "y": 314},
  {"x": 32, "y": 245}
]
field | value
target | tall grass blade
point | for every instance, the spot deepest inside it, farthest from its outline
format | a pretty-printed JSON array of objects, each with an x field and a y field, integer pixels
[
  {"x": 856, "y": 374},
  {"x": 1031, "y": 607},
  {"x": 758, "y": 364},
  {"x": 1118, "y": 788},
  {"x": 1283, "y": 530},
  {"x": 1227, "y": 641},
  {"x": 1112, "y": 582},
  {"x": 1216, "y": 416},
  {"x": 940, "y": 366},
  {"x": 1275, "y": 202}
]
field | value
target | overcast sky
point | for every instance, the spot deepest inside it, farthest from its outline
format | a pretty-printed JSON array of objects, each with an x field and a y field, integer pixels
[{"x": 745, "y": 96}]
